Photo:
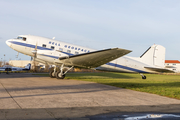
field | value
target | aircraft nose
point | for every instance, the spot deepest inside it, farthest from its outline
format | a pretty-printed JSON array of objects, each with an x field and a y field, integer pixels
[{"x": 8, "y": 42}]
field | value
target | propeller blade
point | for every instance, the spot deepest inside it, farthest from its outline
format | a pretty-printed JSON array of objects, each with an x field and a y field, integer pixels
[{"x": 36, "y": 46}]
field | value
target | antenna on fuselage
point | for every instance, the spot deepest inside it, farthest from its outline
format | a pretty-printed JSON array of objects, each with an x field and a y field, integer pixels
[{"x": 53, "y": 38}]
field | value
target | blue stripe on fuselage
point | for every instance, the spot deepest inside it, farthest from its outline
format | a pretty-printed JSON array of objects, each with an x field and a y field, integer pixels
[
  {"x": 30, "y": 45},
  {"x": 68, "y": 53},
  {"x": 125, "y": 67},
  {"x": 43, "y": 48}
]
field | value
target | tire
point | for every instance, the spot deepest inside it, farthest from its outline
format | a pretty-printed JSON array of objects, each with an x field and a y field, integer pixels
[
  {"x": 51, "y": 74},
  {"x": 144, "y": 77},
  {"x": 58, "y": 75}
]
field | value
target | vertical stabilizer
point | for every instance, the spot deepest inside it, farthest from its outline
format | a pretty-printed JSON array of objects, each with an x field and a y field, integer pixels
[
  {"x": 154, "y": 56},
  {"x": 28, "y": 66}
]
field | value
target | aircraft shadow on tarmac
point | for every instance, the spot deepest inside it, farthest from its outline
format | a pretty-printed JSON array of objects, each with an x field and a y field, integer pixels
[
  {"x": 92, "y": 113},
  {"x": 17, "y": 75},
  {"x": 108, "y": 75},
  {"x": 88, "y": 88}
]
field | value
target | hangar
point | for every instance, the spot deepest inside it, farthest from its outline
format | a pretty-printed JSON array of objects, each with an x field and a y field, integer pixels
[
  {"x": 22, "y": 63},
  {"x": 173, "y": 65},
  {"x": 19, "y": 63}
]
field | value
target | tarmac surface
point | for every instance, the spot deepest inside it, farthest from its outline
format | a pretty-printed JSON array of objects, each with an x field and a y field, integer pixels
[{"x": 24, "y": 96}]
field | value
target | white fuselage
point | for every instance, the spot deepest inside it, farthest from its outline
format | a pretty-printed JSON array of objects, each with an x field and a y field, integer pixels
[{"x": 49, "y": 50}]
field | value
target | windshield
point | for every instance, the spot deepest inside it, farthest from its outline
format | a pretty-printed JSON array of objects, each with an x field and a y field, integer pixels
[{"x": 21, "y": 38}]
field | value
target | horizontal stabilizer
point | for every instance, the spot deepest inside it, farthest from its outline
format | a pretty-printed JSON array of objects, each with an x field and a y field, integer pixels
[
  {"x": 94, "y": 59},
  {"x": 159, "y": 69}
]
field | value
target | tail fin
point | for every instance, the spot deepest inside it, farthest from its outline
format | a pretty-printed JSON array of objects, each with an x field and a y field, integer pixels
[
  {"x": 154, "y": 56},
  {"x": 28, "y": 66}
]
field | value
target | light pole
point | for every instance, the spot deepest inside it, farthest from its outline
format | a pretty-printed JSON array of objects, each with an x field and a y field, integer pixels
[
  {"x": 1, "y": 62},
  {"x": 4, "y": 59}
]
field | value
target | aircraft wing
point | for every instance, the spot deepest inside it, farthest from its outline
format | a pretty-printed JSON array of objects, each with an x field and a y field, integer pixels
[
  {"x": 159, "y": 69},
  {"x": 94, "y": 59}
]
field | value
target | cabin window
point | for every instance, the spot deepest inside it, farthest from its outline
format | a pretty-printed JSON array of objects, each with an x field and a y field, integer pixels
[
  {"x": 60, "y": 49},
  {"x": 68, "y": 51},
  {"x": 174, "y": 69},
  {"x": 52, "y": 47},
  {"x": 22, "y": 38},
  {"x": 43, "y": 45},
  {"x": 174, "y": 64},
  {"x": 76, "y": 53}
]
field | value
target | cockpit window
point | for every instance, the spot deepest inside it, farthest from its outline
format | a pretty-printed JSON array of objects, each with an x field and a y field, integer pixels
[
  {"x": 19, "y": 38},
  {"x": 22, "y": 38}
]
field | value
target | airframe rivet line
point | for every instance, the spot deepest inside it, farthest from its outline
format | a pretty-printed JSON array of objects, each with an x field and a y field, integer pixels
[{"x": 11, "y": 96}]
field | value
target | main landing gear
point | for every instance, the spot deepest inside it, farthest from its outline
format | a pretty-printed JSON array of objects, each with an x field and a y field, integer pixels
[
  {"x": 59, "y": 72},
  {"x": 143, "y": 76}
]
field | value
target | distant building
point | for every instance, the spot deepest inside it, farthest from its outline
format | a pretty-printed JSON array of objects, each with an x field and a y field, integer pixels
[
  {"x": 23, "y": 63},
  {"x": 173, "y": 65},
  {"x": 19, "y": 63},
  {"x": 34, "y": 64}
]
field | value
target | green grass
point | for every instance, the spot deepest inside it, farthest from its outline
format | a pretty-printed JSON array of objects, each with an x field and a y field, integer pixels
[{"x": 164, "y": 85}]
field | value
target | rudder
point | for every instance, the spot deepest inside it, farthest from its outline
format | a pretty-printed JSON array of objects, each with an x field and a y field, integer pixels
[
  {"x": 154, "y": 56},
  {"x": 28, "y": 66}
]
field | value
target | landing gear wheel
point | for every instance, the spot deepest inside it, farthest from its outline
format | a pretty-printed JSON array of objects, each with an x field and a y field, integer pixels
[
  {"x": 51, "y": 74},
  {"x": 143, "y": 77},
  {"x": 59, "y": 76}
]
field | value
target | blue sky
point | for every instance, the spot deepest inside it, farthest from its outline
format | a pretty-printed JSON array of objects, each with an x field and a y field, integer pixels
[{"x": 97, "y": 24}]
